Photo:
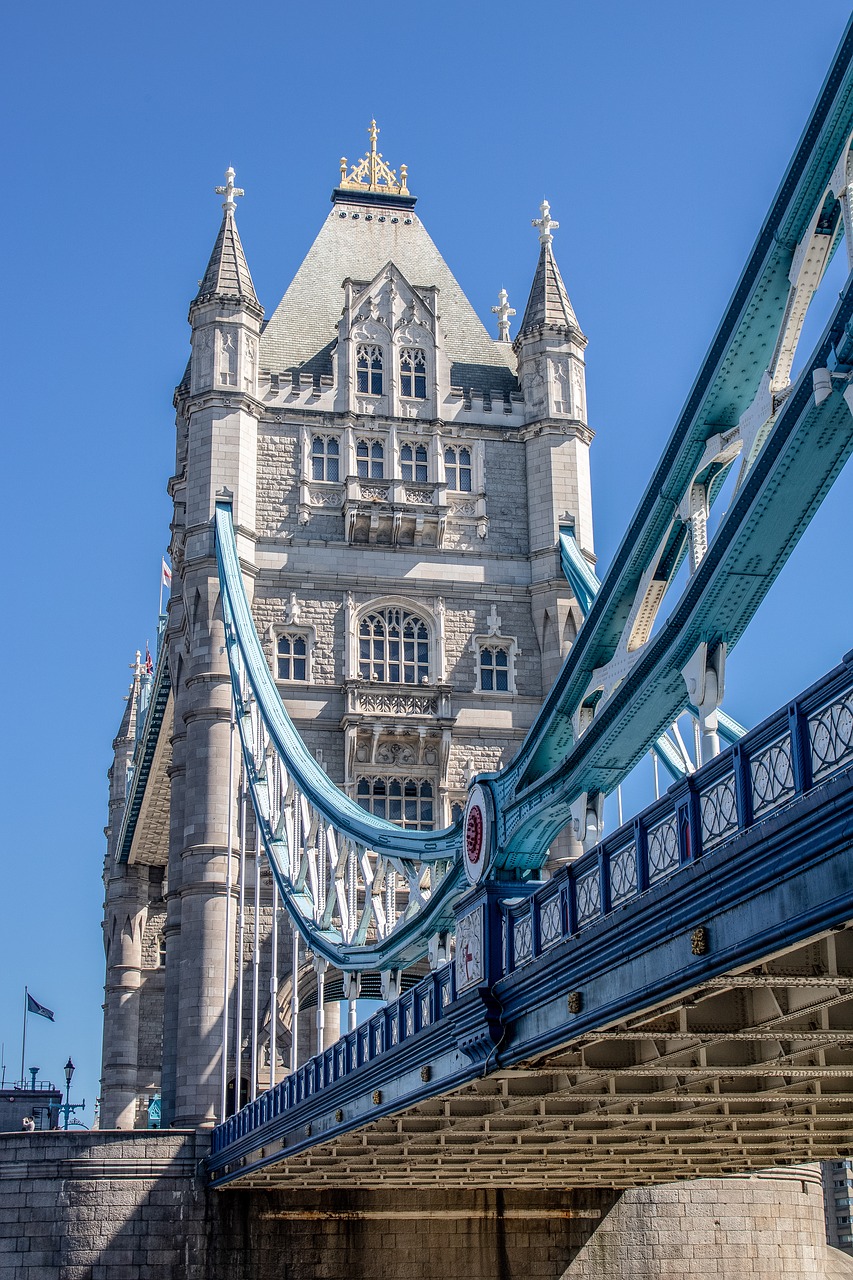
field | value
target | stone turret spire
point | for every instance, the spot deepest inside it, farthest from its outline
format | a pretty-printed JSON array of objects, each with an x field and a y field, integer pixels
[
  {"x": 227, "y": 274},
  {"x": 548, "y": 305}
]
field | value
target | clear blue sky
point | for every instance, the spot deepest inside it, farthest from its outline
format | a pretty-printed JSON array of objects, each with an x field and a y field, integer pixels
[{"x": 659, "y": 133}]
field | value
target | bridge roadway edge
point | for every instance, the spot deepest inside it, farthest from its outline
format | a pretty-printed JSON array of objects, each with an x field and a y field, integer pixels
[
  {"x": 116, "y": 1205},
  {"x": 784, "y": 879}
]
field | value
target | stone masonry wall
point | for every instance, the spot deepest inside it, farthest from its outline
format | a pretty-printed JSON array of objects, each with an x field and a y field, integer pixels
[{"x": 132, "y": 1206}]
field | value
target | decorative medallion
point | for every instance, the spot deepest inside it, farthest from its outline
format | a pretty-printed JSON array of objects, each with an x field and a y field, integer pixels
[
  {"x": 469, "y": 950},
  {"x": 699, "y": 941},
  {"x": 477, "y": 833}
]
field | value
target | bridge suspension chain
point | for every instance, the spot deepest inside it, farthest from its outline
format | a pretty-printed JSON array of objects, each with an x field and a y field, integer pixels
[{"x": 362, "y": 892}]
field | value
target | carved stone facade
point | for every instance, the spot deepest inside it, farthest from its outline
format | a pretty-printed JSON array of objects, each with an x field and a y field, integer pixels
[{"x": 398, "y": 480}]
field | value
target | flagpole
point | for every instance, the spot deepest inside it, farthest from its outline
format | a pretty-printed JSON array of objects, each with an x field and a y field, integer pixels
[{"x": 24, "y": 1039}]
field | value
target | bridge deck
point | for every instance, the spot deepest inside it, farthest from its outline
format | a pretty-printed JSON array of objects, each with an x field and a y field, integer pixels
[{"x": 679, "y": 1002}]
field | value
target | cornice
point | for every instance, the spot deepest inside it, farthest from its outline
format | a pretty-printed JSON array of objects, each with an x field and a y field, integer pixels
[
  {"x": 558, "y": 427},
  {"x": 217, "y": 399}
]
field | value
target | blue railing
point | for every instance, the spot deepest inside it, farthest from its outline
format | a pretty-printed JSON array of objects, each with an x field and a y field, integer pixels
[
  {"x": 420, "y": 1007},
  {"x": 787, "y": 755}
]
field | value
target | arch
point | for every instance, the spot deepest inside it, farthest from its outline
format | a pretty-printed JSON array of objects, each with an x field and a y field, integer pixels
[{"x": 395, "y": 643}]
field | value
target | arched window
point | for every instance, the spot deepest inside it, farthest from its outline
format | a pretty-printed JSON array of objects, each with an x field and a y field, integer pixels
[
  {"x": 494, "y": 668},
  {"x": 406, "y": 801},
  {"x": 325, "y": 458},
  {"x": 457, "y": 467},
  {"x": 393, "y": 647},
  {"x": 413, "y": 373},
  {"x": 292, "y": 656},
  {"x": 413, "y": 462},
  {"x": 368, "y": 364},
  {"x": 370, "y": 459}
]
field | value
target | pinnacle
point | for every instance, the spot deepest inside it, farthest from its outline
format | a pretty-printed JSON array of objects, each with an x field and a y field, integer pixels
[
  {"x": 548, "y": 304},
  {"x": 227, "y": 274}
]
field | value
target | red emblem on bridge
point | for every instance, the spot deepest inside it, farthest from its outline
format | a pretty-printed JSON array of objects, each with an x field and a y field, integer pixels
[{"x": 474, "y": 833}]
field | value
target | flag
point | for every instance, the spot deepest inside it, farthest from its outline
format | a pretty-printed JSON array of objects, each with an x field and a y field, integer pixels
[
  {"x": 149, "y": 665},
  {"x": 166, "y": 579},
  {"x": 33, "y": 1006}
]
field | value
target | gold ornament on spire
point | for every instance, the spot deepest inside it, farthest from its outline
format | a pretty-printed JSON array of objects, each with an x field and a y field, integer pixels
[{"x": 371, "y": 173}]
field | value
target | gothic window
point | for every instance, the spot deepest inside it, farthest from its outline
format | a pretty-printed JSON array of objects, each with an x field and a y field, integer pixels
[
  {"x": 325, "y": 458},
  {"x": 413, "y": 462},
  {"x": 496, "y": 668},
  {"x": 368, "y": 364},
  {"x": 457, "y": 467},
  {"x": 291, "y": 656},
  {"x": 370, "y": 459},
  {"x": 228, "y": 360},
  {"x": 393, "y": 647},
  {"x": 161, "y": 952},
  {"x": 406, "y": 801},
  {"x": 413, "y": 373}
]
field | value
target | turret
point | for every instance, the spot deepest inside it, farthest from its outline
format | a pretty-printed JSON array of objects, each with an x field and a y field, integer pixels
[
  {"x": 218, "y": 412},
  {"x": 549, "y": 347}
]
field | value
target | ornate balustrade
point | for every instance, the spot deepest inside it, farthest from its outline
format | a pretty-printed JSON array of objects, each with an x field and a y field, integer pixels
[
  {"x": 420, "y": 1007},
  {"x": 791, "y": 753}
]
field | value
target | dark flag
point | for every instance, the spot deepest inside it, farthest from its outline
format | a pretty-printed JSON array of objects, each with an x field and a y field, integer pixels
[{"x": 33, "y": 1006}]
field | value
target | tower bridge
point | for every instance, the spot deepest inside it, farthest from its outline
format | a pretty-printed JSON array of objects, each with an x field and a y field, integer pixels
[{"x": 390, "y": 698}]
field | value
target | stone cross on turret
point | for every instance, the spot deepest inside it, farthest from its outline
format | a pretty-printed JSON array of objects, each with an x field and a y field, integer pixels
[
  {"x": 546, "y": 223},
  {"x": 503, "y": 311},
  {"x": 229, "y": 191}
]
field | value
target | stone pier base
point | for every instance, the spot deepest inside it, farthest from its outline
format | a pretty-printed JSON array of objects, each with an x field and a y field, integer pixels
[{"x": 133, "y": 1206}]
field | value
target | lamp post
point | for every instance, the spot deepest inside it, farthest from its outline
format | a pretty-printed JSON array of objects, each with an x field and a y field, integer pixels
[{"x": 68, "y": 1106}]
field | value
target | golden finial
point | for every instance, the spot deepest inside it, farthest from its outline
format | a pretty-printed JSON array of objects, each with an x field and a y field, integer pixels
[{"x": 371, "y": 173}]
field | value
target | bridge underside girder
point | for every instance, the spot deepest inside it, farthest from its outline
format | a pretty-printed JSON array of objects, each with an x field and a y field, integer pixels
[{"x": 744, "y": 1072}]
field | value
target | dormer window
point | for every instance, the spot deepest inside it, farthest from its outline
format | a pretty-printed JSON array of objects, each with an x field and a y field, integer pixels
[
  {"x": 368, "y": 363},
  {"x": 325, "y": 458},
  {"x": 457, "y": 467},
  {"x": 413, "y": 384},
  {"x": 370, "y": 459},
  {"x": 413, "y": 463}
]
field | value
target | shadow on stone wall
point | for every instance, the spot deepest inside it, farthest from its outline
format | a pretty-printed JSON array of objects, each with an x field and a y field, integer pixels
[{"x": 133, "y": 1206}]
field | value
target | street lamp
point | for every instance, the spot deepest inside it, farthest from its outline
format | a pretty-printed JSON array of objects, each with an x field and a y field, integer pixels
[
  {"x": 68, "y": 1106},
  {"x": 69, "y": 1072}
]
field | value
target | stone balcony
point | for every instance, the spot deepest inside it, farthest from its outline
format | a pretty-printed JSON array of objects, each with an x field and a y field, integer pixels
[
  {"x": 395, "y": 513},
  {"x": 397, "y": 702}
]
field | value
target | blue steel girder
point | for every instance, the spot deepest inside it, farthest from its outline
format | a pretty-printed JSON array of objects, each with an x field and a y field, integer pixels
[
  {"x": 745, "y": 864},
  {"x": 725, "y": 388},
  {"x": 330, "y": 858},
  {"x": 791, "y": 447},
  {"x": 800, "y": 460}
]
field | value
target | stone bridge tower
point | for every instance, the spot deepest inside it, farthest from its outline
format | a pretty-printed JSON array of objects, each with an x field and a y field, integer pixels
[{"x": 399, "y": 481}]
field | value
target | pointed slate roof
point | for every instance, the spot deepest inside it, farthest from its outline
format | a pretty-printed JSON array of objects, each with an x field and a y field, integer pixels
[
  {"x": 355, "y": 242},
  {"x": 127, "y": 728},
  {"x": 227, "y": 274},
  {"x": 548, "y": 304}
]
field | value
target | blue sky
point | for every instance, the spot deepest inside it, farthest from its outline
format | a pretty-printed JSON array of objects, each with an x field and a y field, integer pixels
[{"x": 658, "y": 132}]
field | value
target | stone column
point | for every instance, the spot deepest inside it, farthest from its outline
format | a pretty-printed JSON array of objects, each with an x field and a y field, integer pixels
[
  {"x": 172, "y": 929},
  {"x": 209, "y": 838},
  {"x": 126, "y": 912}
]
